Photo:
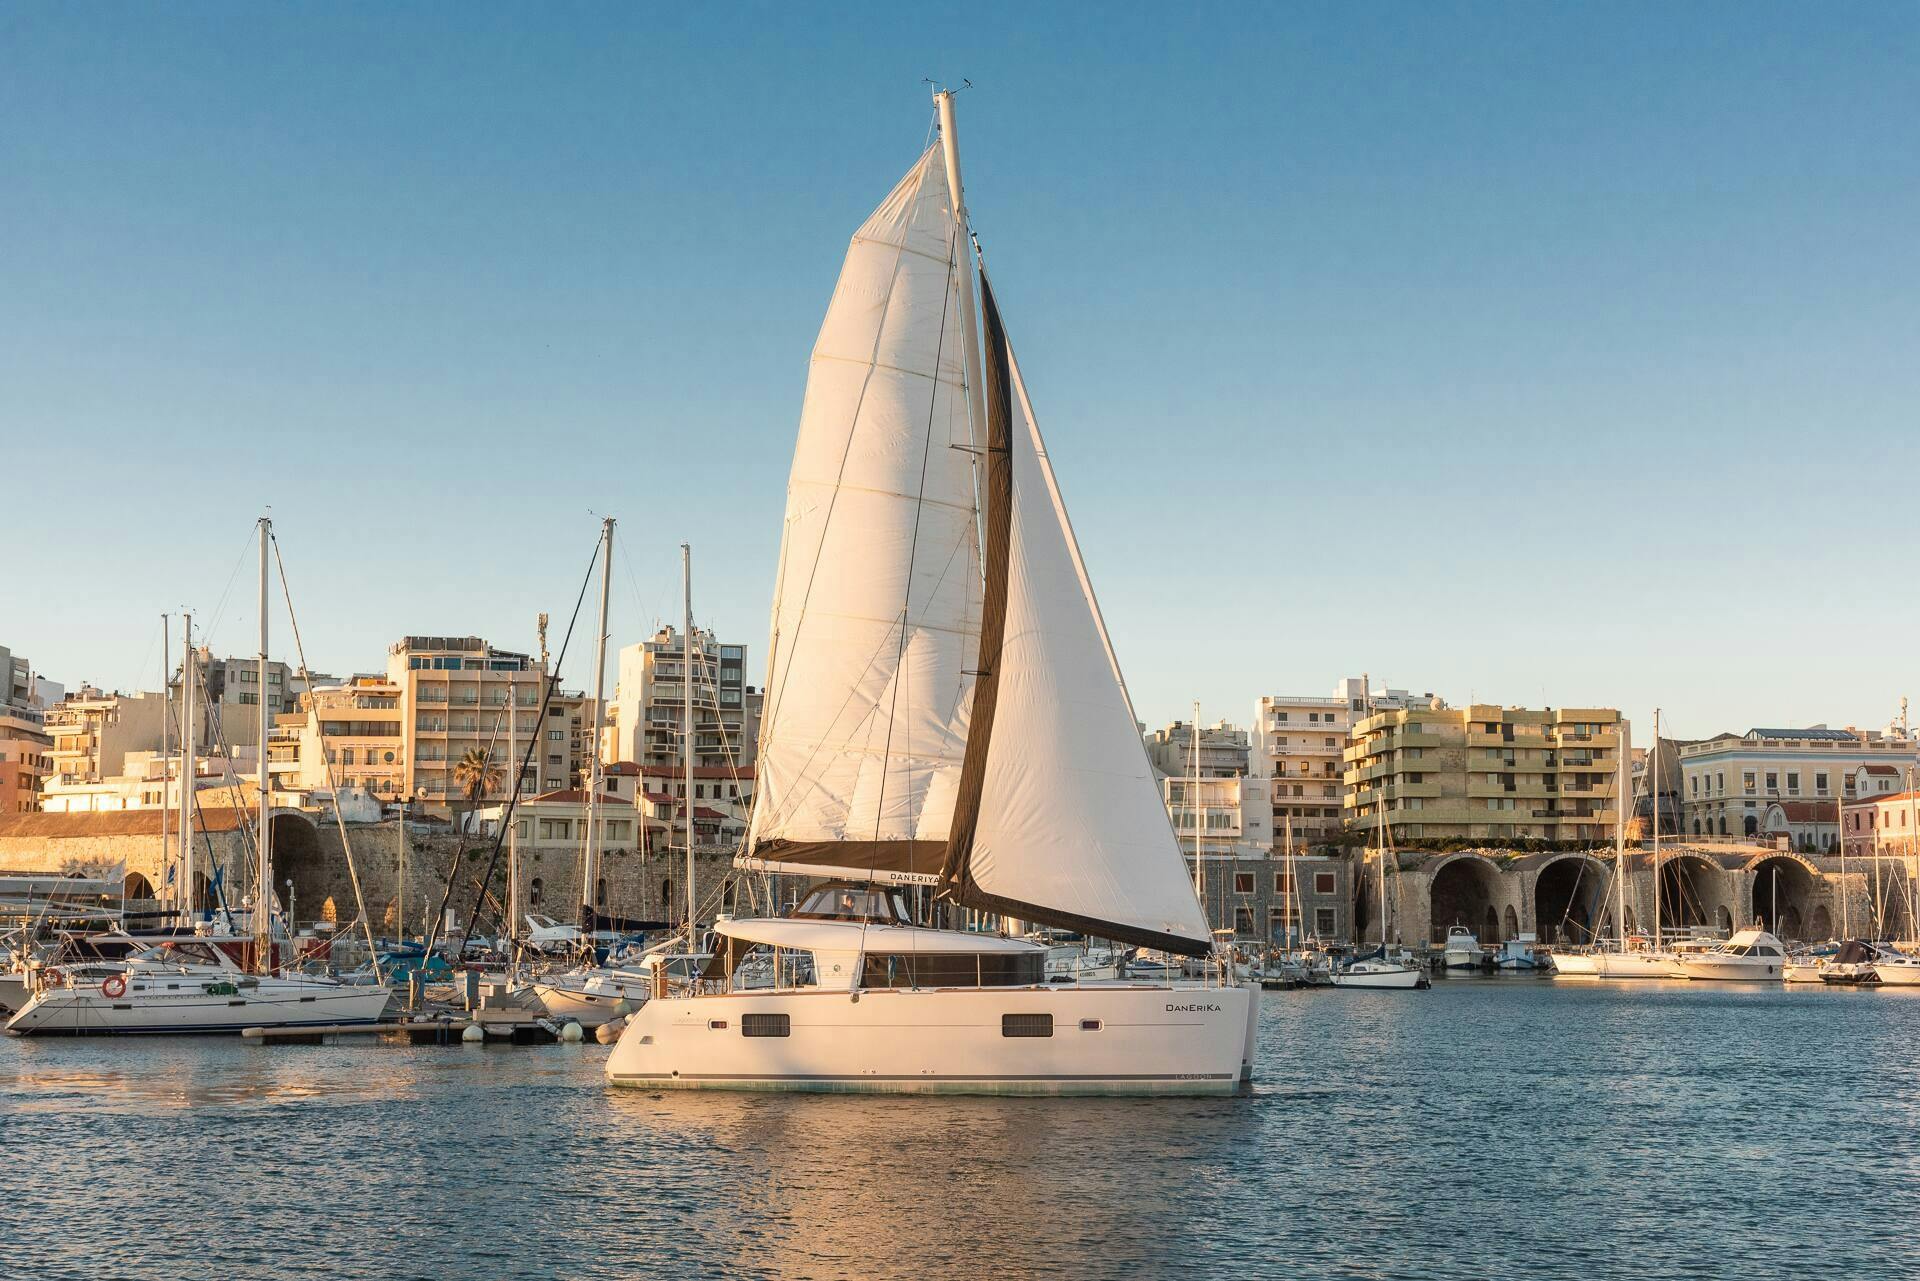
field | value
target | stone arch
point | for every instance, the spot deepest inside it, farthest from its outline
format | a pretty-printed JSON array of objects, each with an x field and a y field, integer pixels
[
  {"x": 1569, "y": 898},
  {"x": 1513, "y": 923},
  {"x": 297, "y": 857},
  {"x": 1691, "y": 886},
  {"x": 1723, "y": 920},
  {"x": 1820, "y": 923},
  {"x": 136, "y": 886},
  {"x": 1782, "y": 894},
  {"x": 1463, "y": 891},
  {"x": 1366, "y": 906}
]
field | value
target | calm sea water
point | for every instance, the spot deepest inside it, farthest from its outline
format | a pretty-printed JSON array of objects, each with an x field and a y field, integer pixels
[{"x": 1494, "y": 1128}]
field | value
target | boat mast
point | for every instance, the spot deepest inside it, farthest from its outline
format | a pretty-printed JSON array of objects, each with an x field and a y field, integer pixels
[
  {"x": 1655, "y": 758},
  {"x": 187, "y": 769},
  {"x": 1286, "y": 900},
  {"x": 969, "y": 324},
  {"x": 515, "y": 757},
  {"x": 686, "y": 723},
  {"x": 166, "y": 736},
  {"x": 1622, "y": 788},
  {"x": 588, "y": 921},
  {"x": 1193, "y": 808},
  {"x": 263, "y": 892}
]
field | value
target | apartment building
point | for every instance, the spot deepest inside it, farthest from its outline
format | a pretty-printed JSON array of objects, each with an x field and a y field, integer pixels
[
  {"x": 1298, "y": 743},
  {"x": 1486, "y": 773},
  {"x": 352, "y": 733},
  {"x": 228, "y": 695},
  {"x": 453, "y": 698},
  {"x": 649, "y": 695},
  {"x": 1729, "y": 780},
  {"x": 1222, "y": 750},
  {"x": 93, "y": 731},
  {"x": 26, "y": 748}
]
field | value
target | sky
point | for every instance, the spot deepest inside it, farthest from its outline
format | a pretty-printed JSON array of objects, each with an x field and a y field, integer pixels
[{"x": 1535, "y": 354}]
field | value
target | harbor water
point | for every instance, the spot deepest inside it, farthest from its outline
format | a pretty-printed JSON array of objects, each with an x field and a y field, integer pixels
[{"x": 1490, "y": 1128}]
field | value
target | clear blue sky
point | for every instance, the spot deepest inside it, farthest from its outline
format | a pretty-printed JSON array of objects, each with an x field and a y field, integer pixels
[{"x": 1528, "y": 353}]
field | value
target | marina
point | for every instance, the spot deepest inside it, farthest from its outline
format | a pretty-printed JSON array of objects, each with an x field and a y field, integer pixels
[{"x": 1483, "y": 1124}]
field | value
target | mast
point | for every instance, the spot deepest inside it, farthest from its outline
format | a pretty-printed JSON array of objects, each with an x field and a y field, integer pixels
[
  {"x": 1193, "y": 807},
  {"x": 969, "y": 323},
  {"x": 1655, "y": 759},
  {"x": 686, "y": 721},
  {"x": 263, "y": 892},
  {"x": 400, "y": 902},
  {"x": 1286, "y": 899},
  {"x": 1622, "y": 788},
  {"x": 166, "y": 735},
  {"x": 1846, "y": 929},
  {"x": 188, "y": 771},
  {"x": 588, "y": 922},
  {"x": 513, "y": 826}
]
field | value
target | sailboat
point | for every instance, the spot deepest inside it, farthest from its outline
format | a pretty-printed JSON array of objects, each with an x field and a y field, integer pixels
[
  {"x": 943, "y": 712},
  {"x": 191, "y": 984},
  {"x": 1382, "y": 971}
]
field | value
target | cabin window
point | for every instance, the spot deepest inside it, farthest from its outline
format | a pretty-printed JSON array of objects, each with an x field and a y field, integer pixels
[
  {"x": 766, "y": 1025},
  {"x": 1026, "y": 1025},
  {"x": 952, "y": 969}
]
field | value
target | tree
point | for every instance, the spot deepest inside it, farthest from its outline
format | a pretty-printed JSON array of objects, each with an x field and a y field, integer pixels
[{"x": 477, "y": 774}]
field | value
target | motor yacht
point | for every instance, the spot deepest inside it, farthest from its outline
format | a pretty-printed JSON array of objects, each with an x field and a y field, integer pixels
[
  {"x": 1463, "y": 950},
  {"x": 1895, "y": 968},
  {"x": 1750, "y": 956}
]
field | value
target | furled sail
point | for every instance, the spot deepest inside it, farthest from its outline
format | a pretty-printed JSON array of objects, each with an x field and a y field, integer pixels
[
  {"x": 1059, "y": 820},
  {"x": 876, "y": 616}
]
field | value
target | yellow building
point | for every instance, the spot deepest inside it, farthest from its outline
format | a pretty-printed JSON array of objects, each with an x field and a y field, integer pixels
[
  {"x": 1486, "y": 772},
  {"x": 453, "y": 693}
]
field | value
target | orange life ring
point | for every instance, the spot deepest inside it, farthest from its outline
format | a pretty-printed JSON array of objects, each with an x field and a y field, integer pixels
[{"x": 114, "y": 986}]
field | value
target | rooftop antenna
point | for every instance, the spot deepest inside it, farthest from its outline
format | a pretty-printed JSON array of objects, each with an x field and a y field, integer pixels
[{"x": 541, "y": 625}]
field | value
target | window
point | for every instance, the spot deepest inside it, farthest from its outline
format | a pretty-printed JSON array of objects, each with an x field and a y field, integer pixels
[
  {"x": 1243, "y": 882},
  {"x": 1773, "y": 782},
  {"x": 556, "y": 736},
  {"x": 1693, "y": 785},
  {"x": 1026, "y": 1025},
  {"x": 766, "y": 1025},
  {"x": 1323, "y": 882},
  {"x": 1746, "y": 780},
  {"x": 533, "y": 892},
  {"x": 1323, "y": 922},
  {"x": 1793, "y": 783},
  {"x": 1282, "y": 883},
  {"x": 1819, "y": 782},
  {"x": 1243, "y": 920}
]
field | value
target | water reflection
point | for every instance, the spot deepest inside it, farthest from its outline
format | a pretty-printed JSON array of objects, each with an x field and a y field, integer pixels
[{"x": 1481, "y": 1129}]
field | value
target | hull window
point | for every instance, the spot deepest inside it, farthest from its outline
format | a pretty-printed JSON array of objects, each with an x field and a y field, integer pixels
[
  {"x": 1026, "y": 1025},
  {"x": 766, "y": 1025}
]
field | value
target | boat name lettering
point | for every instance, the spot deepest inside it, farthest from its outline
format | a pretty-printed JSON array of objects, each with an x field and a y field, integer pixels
[{"x": 1193, "y": 1009}]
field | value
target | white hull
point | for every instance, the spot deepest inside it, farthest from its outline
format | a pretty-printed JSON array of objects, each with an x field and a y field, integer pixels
[
  {"x": 13, "y": 992},
  {"x": 1802, "y": 972},
  {"x": 1732, "y": 970},
  {"x": 1399, "y": 978},
  {"x": 1575, "y": 965},
  {"x": 1636, "y": 965},
  {"x": 1898, "y": 975},
  {"x": 86, "y": 1011},
  {"x": 1105, "y": 1040},
  {"x": 593, "y": 1003},
  {"x": 1464, "y": 960}
]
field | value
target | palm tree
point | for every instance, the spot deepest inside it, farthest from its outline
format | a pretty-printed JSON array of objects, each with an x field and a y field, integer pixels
[{"x": 477, "y": 774}]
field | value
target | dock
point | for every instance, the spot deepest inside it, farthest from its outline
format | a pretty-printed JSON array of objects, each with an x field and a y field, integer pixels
[{"x": 500, "y": 1026}]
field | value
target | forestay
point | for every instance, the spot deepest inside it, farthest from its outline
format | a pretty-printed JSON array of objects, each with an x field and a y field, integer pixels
[{"x": 877, "y": 612}]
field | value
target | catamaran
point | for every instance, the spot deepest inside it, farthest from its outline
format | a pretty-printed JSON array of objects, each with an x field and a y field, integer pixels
[{"x": 944, "y": 711}]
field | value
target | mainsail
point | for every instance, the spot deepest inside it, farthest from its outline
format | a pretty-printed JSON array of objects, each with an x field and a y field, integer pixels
[
  {"x": 1060, "y": 820},
  {"x": 876, "y": 617}
]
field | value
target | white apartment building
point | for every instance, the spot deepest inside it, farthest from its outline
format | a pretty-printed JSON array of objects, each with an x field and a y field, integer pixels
[
  {"x": 1220, "y": 752},
  {"x": 1296, "y": 746},
  {"x": 649, "y": 701},
  {"x": 1728, "y": 781}
]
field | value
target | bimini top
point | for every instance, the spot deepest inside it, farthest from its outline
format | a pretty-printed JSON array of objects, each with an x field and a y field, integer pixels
[{"x": 858, "y": 936}]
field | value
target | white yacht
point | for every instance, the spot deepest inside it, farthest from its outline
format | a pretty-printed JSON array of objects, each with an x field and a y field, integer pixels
[
  {"x": 191, "y": 986},
  {"x": 1896, "y": 969},
  {"x": 1462, "y": 949},
  {"x": 1083, "y": 963},
  {"x": 595, "y": 995},
  {"x": 1641, "y": 962},
  {"x": 1581, "y": 963},
  {"x": 943, "y": 709},
  {"x": 1379, "y": 972},
  {"x": 1752, "y": 956}
]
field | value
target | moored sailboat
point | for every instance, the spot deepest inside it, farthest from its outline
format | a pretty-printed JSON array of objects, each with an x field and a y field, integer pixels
[{"x": 944, "y": 711}]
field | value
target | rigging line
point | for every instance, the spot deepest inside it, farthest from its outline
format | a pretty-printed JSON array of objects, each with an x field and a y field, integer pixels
[
  {"x": 552, "y": 685},
  {"x": 846, "y": 450},
  {"x": 313, "y": 710},
  {"x": 219, "y": 616}
]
